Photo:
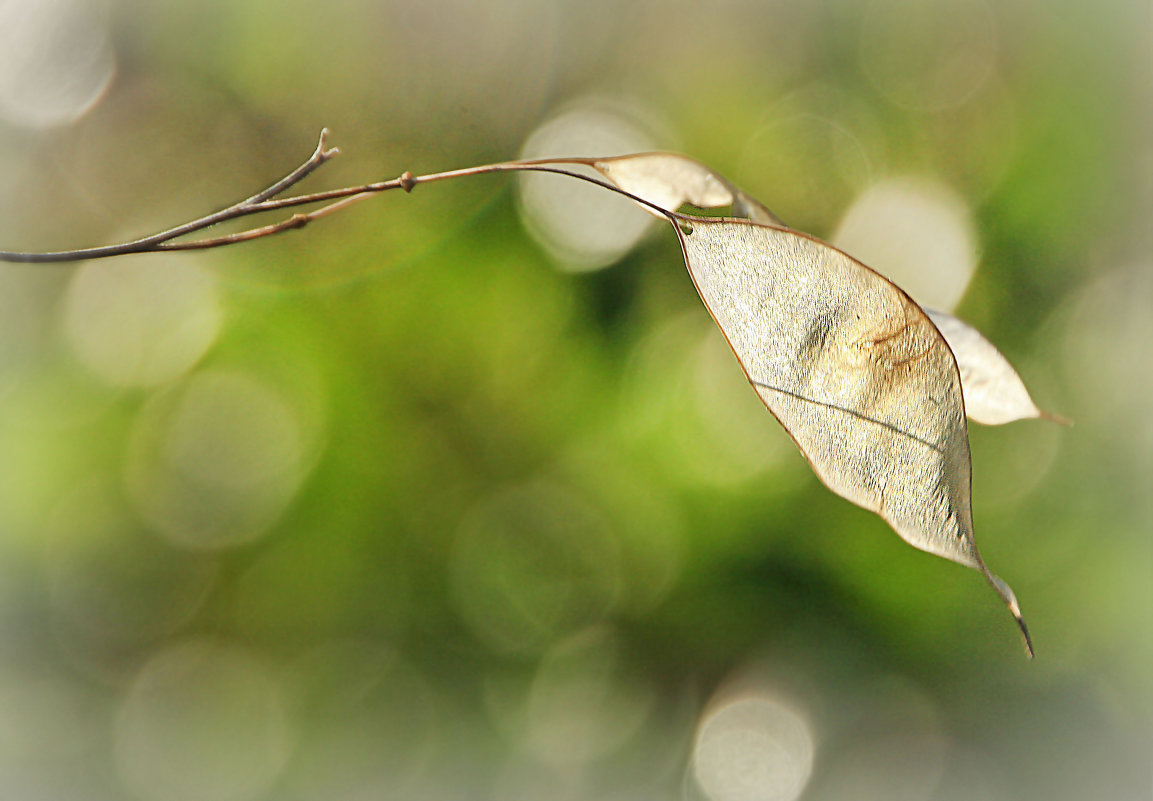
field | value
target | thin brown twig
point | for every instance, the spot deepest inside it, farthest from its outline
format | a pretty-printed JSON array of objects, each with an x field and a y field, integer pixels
[
  {"x": 335, "y": 200},
  {"x": 258, "y": 203},
  {"x": 298, "y": 220}
]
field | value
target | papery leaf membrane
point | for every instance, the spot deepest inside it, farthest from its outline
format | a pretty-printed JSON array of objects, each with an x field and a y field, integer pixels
[
  {"x": 854, "y": 370},
  {"x": 670, "y": 180},
  {"x": 994, "y": 393}
]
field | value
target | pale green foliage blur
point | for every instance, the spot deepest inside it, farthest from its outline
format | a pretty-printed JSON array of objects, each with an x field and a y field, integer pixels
[{"x": 427, "y": 502}]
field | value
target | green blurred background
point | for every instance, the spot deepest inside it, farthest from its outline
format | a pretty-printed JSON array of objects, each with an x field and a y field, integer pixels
[{"x": 459, "y": 495}]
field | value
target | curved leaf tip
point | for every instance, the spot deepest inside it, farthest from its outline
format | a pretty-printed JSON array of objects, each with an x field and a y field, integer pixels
[{"x": 1006, "y": 593}]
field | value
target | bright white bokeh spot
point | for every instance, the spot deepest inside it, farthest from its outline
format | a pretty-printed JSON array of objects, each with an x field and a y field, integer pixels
[
  {"x": 753, "y": 749},
  {"x": 928, "y": 55},
  {"x": 582, "y": 226},
  {"x": 214, "y": 463},
  {"x": 56, "y": 60},
  {"x": 141, "y": 321},
  {"x": 202, "y": 720},
  {"x": 918, "y": 234}
]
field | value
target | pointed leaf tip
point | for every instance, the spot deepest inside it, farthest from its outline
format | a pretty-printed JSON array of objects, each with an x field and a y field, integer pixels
[
  {"x": 1028, "y": 640},
  {"x": 1010, "y": 599}
]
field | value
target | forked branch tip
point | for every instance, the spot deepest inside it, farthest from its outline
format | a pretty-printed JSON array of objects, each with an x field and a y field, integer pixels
[{"x": 322, "y": 150}]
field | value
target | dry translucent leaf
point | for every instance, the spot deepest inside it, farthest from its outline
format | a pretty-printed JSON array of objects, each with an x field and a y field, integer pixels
[
  {"x": 670, "y": 180},
  {"x": 854, "y": 370},
  {"x": 863, "y": 381},
  {"x": 994, "y": 393}
]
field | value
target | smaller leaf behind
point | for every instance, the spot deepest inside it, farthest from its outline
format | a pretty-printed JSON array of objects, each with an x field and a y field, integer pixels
[
  {"x": 670, "y": 180},
  {"x": 994, "y": 393}
]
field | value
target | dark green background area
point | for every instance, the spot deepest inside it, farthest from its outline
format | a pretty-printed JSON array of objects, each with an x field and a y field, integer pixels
[{"x": 536, "y": 528}]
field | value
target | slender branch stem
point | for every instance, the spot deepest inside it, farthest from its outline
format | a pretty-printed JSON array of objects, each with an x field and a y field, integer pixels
[
  {"x": 159, "y": 241},
  {"x": 334, "y": 200}
]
